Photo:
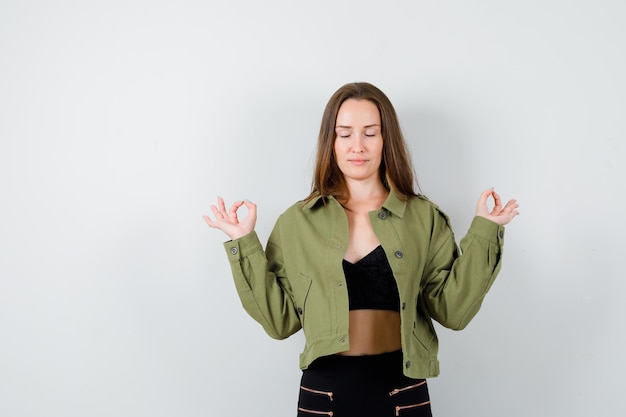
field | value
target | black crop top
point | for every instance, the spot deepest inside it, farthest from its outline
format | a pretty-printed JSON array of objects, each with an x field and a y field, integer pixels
[{"x": 371, "y": 284}]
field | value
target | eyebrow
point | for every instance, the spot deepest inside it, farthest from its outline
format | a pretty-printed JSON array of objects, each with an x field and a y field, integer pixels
[{"x": 350, "y": 127}]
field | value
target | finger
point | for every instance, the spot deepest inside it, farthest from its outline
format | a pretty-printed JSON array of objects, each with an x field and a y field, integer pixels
[
  {"x": 510, "y": 206},
  {"x": 222, "y": 206},
  {"x": 510, "y": 202},
  {"x": 208, "y": 221},
  {"x": 481, "y": 204},
  {"x": 217, "y": 213},
  {"x": 233, "y": 209},
  {"x": 484, "y": 196},
  {"x": 251, "y": 208},
  {"x": 497, "y": 200},
  {"x": 497, "y": 204}
]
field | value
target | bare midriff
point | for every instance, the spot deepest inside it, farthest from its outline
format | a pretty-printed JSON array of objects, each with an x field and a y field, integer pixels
[{"x": 373, "y": 332}]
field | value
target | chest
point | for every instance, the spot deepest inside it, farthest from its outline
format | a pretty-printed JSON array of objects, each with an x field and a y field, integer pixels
[{"x": 361, "y": 237}]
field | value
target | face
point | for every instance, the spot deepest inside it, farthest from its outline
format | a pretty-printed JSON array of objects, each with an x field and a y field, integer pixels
[{"x": 358, "y": 140}]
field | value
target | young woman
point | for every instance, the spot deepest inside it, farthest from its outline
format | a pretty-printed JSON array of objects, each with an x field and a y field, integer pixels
[{"x": 363, "y": 265}]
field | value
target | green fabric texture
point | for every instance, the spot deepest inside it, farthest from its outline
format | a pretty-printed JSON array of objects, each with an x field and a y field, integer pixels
[{"x": 298, "y": 282}]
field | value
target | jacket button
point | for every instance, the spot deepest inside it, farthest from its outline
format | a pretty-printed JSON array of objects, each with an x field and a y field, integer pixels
[
  {"x": 382, "y": 215},
  {"x": 234, "y": 250},
  {"x": 403, "y": 306},
  {"x": 501, "y": 234},
  {"x": 399, "y": 254},
  {"x": 299, "y": 310},
  {"x": 408, "y": 364}
]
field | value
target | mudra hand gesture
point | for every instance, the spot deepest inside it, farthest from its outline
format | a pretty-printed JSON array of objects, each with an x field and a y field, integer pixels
[
  {"x": 499, "y": 214},
  {"x": 228, "y": 221}
]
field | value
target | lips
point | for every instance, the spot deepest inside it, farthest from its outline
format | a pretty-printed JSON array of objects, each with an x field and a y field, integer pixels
[{"x": 357, "y": 161}]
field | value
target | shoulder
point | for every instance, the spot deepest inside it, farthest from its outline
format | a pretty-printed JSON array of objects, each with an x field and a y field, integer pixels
[
  {"x": 320, "y": 213},
  {"x": 303, "y": 220},
  {"x": 289, "y": 219},
  {"x": 426, "y": 210},
  {"x": 424, "y": 204},
  {"x": 298, "y": 211},
  {"x": 310, "y": 206},
  {"x": 297, "y": 208}
]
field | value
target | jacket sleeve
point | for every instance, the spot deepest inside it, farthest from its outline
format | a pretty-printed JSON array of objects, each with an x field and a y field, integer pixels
[
  {"x": 455, "y": 284},
  {"x": 263, "y": 288}
]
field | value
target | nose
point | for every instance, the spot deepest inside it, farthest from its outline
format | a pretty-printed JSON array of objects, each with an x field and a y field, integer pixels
[{"x": 357, "y": 144}]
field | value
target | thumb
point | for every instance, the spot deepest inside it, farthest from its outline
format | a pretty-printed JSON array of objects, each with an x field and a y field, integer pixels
[
  {"x": 251, "y": 208},
  {"x": 484, "y": 196}
]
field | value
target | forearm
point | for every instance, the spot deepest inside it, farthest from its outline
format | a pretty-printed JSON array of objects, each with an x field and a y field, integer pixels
[
  {"x": 457, "y": 284},
  {"x": 259, "y": 289}
]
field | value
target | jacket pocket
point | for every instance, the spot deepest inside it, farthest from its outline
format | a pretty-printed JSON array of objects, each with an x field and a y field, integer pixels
[
  {"x": 423, "y": 329},
  {"x": 301, "y": 287},
  {"x": 423, "y": 332}
]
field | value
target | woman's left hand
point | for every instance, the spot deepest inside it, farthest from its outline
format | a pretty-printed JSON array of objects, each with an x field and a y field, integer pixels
[{"x": 499, "y": 214}]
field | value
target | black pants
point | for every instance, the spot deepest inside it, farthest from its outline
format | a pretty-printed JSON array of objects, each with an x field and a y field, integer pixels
[{"x": 361, "y": 386}]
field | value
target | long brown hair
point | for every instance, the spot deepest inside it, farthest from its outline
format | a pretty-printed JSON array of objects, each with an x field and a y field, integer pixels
[{"x": 396, "y": 171}]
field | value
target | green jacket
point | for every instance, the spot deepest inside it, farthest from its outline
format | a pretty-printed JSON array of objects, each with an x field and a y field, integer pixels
[{"x": 298, "y": 281}]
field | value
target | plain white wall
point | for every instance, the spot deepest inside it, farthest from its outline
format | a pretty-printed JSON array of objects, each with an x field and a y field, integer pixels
[{"x": 121, "y": 121}]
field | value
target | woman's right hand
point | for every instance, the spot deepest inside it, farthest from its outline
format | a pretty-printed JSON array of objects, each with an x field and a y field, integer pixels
[{"x": 228, "y": 221}]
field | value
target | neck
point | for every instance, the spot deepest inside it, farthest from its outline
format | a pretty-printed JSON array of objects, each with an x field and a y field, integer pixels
[{"x": 369, "y": 195}]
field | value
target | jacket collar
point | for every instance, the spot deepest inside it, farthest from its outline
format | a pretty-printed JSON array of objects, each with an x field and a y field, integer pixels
[
  {"x": 392, "y": 204},
  {"x": 395, "y": 205},
  {"x": 319, "y": 199}
]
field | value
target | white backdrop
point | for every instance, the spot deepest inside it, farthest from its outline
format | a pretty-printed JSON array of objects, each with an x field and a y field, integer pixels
[{"x": 121, "y": 121}]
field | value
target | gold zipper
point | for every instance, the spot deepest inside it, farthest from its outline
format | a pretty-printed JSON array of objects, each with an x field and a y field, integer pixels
[
  {"x": 314, "y": 391},
  {"x": 397, "y": 390},
  {"x": 326, "y": 413},
  {"x": 405, "y": 407}
]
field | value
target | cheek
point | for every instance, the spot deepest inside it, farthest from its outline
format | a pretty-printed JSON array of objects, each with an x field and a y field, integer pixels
[
  {"x": 339, "y": 147},
  {"x": 380, "y": 149}
]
